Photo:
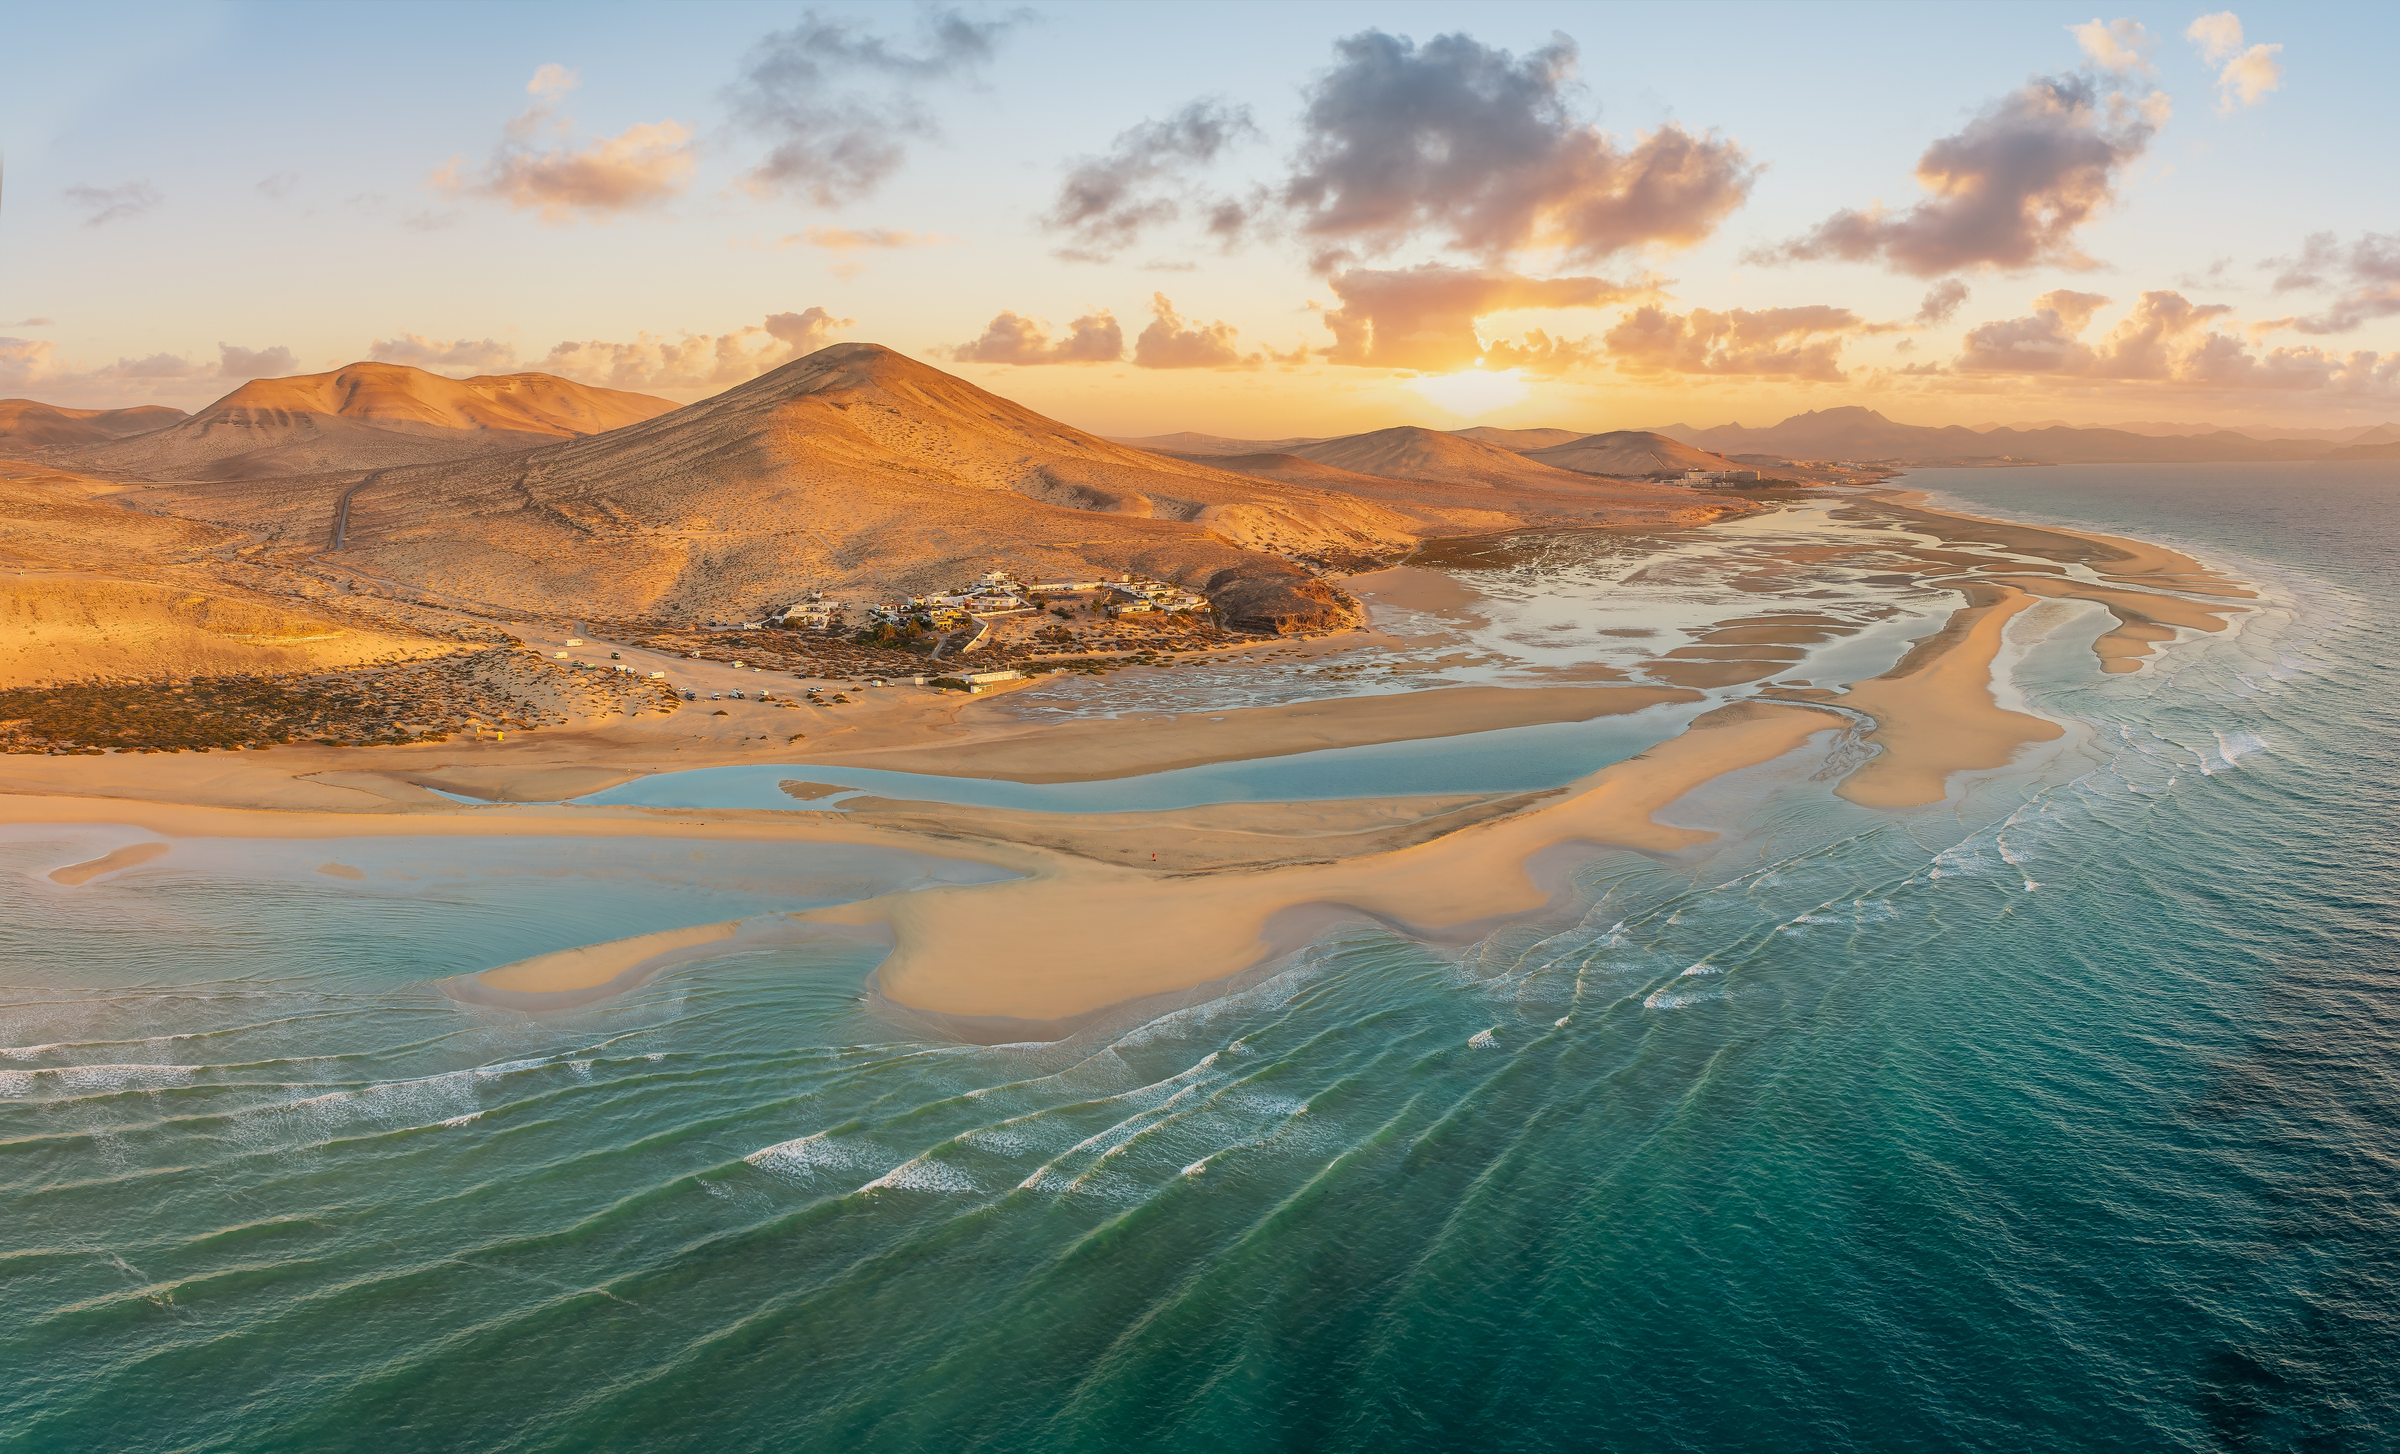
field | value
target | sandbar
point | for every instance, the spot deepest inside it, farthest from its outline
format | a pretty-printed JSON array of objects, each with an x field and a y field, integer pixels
[
  {"x": 126, "y": 857},
  {"x": 1094, "y": 751},
  {"x": 1075, "y": 935},
  {"x": 1935, "y": 714}
]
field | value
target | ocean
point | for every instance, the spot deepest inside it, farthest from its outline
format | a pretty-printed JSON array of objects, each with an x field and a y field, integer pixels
[{"x": 2066, "y": 1117}]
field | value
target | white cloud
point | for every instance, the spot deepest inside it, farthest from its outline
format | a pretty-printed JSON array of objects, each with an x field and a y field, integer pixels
[
  {"x": 2122, "y": 46},
  {"x": 642, "y": 166},
  {"x": 2244, "y": 74},
  {"x": 455, "y": 356},
  {"x": 694, "y": 363}
]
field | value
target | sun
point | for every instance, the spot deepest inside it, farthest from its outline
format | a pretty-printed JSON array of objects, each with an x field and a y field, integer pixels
[{"x": 1471, "y": 392}]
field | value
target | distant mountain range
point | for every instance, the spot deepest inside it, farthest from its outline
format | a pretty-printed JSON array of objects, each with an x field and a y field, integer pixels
[{"x": 1856, "y": 433}]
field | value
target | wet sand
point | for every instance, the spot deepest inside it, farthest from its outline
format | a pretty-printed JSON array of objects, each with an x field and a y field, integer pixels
[
  {"x": 126, "y": 857},
  {"x": 1110, "y": 908},
  {"x": 1935, "y": 714}
]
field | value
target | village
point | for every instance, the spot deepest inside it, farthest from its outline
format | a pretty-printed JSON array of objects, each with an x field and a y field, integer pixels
[{"x": 1000, "y": 614}]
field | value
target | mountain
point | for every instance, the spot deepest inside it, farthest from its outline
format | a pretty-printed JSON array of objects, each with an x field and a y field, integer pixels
[
  {"x": 367, "y": 416},
  {"x": 866, "y": 474},
  {"x": 1629, "y": 452},
  {"x": 1189, "y": 443},
  {"x": 1853, "y": 432},
  {"x": 25, "y": 424},
  {"x": 1432, "y": 457},
  {"x": 2380, "y": 434},
  {"x": 1522, "y": 441},
  {"x": 2388, "y": 449},
  {"x": 854, "y": 470}
]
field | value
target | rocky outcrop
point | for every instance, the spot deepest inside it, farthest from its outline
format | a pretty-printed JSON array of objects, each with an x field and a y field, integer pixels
[{"x": 1270, "y": 596}]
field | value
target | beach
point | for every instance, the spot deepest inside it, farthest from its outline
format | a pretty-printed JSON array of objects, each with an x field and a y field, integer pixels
[{"x": 1103, "y": 908}]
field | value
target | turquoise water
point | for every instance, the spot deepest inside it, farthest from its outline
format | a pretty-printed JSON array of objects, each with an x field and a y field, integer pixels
[
  {"x": 2065, "y": 1118},
  {"x": 1512, "y": 759}
]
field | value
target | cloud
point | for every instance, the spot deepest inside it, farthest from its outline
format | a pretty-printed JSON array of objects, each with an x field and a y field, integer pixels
[
  {"x": 1468, "y": 144},
  {"x": 2009, "y": 190},
  {"x": 278, "y": 185},
  {"x": 1012, "y": 338},
  {"x": 2164, "y": 339},
  {"x": 103, "y": 205},
  {"x": 839, "y": 104},
  {"x": 2122, "y": 46},
  {"x": 1424, "y": 317},
  {"x": 1175, "y": 342},
  {"x": 259, "y": 363},
  {"x": 2244, "y": 74},
  {"x": 1145, "y": 178},
  {"x": 33, "y": 367},
  {"x": 844, "y": 239},
  {"x": 462, "y": 355},
  {"x": 34, "y": 323},
  {"x": 2368, "y": 272},
  {"x": 695, "y": 362},
  {"x": 1794, "y": 343},
  {"x": 537, "y": 167},
  {"x": 2042, "y": 342},
  {"x": 1941, "y": 300}
]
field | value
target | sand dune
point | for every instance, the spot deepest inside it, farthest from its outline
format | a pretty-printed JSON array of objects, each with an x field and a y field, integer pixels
[
  {"x": 1628, "y": 452},
  {"x": 368, "y": 416},
  {"x": 25, "y": 424},
  {"x": 1188, "y": 442}
]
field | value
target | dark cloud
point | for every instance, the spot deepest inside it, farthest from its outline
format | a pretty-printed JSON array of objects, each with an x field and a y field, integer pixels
[
  {"x": 1424, "y": 317},
  {"x": 1012, "y": 338},
  {"x": 1796, "y": 343},
  {"x": 2009, "y": 190},
  {"x": 1941, "y": 300},
  {"x": 840, "y": 104},
  {"x": 1147, "y": 177},
  {"x": 261, "y": 363},
  {"x": 2367, "y": 272},
  {"x": 1173, "y": 341},
  {"x": 103, "y": 205},
  {"x": 1472, "y": 145}
]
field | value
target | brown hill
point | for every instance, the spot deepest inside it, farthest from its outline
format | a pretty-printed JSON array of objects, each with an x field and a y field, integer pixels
[
  {"x": 25, "y": 424},
  {"x": 368, "y": 416},
  {"x": 854, "y": 470},
  {"x": 2390, "y": 449},
  {"x": 1629, "y": 452},
  {"x": 1522, "y": 441},
  {"x": 1190, "y": 443},
  {"x": 868, "y": 475},
  {"x": 1432, "y": 457}
]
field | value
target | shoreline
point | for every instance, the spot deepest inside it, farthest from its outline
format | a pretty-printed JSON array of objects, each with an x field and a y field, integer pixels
[{"x": 1111, "y": 910}]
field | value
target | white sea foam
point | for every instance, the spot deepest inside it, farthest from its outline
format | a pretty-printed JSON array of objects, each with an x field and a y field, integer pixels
[
  {"x": 804, "y": 1154},
  {"x": 462, "y": 1120},
  {"x": 923, "y": 1175},
  {"x": 1484, "y": 1040},
  {"x": 86, "y": 1080}
]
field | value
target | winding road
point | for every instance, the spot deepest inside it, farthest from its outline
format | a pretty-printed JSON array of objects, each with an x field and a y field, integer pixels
[{"x": 341, "y": 511}]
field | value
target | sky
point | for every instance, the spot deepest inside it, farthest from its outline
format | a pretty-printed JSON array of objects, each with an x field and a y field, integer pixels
[{"x": 1258, "y": 220}]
